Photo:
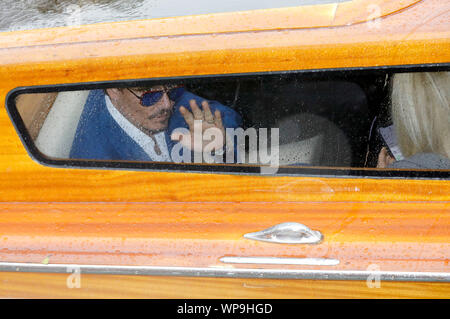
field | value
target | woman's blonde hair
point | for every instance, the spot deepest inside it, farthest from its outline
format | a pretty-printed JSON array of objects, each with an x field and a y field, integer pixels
[{"x": 421, "y": 112}]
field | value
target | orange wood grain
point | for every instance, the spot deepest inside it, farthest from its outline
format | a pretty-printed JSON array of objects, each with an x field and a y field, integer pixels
[
  {"x": 32, "y": 285},
  {"x": 312, "y": 16},
  {"x": 394, "y": 236},
  {"x": 417, "y": 35},
  {"x": 186, "y": 219},
  {"x": 24, "y": 180}
]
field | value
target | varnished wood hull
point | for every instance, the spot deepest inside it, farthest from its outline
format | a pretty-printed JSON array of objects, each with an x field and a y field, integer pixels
[
  {"x": 62, "y": 216},
  {"x": 38, "y": 285},
  {"x": 394, "y": 237}
]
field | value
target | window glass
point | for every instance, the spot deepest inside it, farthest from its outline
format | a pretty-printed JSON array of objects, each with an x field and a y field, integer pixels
[
  {"x": 32, "y": 14},
  {"x": 328, "y": 123}
]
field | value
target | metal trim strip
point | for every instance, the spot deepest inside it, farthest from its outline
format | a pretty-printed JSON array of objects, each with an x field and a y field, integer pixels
[
  {"x": 227, "y": 272},
  {"x": 280, "y": 261}
]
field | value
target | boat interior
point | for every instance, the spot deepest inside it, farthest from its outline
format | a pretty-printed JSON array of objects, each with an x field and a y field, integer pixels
[{"x": 325, "y": 119}]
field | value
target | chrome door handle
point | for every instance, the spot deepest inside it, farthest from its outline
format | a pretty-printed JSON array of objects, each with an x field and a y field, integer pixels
[{"x": 287, "y": 233}]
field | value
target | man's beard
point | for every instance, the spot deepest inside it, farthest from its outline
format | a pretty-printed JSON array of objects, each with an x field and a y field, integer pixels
[{"x": 166, "y": 113}]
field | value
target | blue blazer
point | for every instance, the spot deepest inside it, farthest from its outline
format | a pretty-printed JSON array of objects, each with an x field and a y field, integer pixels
[{"x": 99, "y": 137}]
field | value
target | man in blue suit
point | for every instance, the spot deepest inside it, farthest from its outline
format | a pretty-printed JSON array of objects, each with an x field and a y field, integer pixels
[{"x": 141, "y": 123}]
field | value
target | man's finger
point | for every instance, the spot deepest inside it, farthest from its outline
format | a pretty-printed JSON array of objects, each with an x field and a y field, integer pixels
[
  {"x": 188, "y": 117},
  {"x": 198, "y": 114},
  {"x": 218, "y": 119},
  {"x": 178, "y": 137},
  {"x": 207, "y": 112}
]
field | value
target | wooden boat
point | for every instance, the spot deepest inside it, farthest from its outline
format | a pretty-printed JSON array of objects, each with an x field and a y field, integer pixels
[{"x": 105, "y": 233}]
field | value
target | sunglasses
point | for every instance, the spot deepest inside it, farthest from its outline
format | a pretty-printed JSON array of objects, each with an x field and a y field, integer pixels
[{"x": 152, "y": 96}]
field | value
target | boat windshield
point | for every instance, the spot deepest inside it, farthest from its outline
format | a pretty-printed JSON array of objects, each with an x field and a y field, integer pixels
[{"x": 26, "y": 15}]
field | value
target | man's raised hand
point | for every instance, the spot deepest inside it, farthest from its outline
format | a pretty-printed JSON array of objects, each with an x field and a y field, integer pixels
[{"x": 202, "y": 125}]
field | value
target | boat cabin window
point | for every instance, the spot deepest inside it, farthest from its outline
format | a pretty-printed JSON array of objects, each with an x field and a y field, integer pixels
[{"x": 388, "y": 123}]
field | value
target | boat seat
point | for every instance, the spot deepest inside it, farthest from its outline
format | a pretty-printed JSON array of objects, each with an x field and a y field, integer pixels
[
  {"x": 314, "y": 140},
  {"x": 308, "y": 139},
  {"x": 56, "y": 136}
]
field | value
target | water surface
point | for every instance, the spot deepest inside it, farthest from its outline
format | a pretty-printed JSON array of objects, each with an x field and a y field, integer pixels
[{"x": 34, "y": 14}]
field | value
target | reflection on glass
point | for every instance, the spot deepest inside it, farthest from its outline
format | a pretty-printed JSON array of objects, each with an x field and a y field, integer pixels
[
  {"x": 25, "y": 15},
  {"x": 283, "y": 120}
]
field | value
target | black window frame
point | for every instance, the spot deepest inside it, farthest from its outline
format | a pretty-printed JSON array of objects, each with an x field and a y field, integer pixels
[{"x": 240, "y": 169}]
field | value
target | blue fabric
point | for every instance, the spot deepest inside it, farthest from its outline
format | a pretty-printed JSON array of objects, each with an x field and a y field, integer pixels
[{"x": 99, "y": 137}]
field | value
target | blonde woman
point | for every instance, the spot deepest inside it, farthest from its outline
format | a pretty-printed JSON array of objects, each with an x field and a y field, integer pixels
[{"x": 421, "y": 117}]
